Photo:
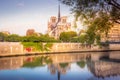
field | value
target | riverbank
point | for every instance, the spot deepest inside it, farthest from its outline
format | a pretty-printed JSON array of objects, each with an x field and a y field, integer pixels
[
  {"x": 17, "y": 49},
  {"x": 46, "y": 53}
]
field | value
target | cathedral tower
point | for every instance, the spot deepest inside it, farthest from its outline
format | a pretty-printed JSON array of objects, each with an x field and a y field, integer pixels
[{"x": 58, "y": 24}]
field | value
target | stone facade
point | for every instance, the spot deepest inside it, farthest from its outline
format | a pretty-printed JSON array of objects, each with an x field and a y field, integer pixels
[
  {"x": 114, "y": 34},
  {"x": 58, "y": 24},
  {"x": 30, "y": 32},
  {"x": 54, "y": 29}
]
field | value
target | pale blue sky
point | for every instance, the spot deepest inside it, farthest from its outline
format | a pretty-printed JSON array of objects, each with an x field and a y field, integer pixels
[{"x": 17, "y": 16}]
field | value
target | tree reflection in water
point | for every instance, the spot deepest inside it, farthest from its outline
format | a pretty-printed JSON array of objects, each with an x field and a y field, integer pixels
[
  {"x": 37, "y": 61},
  {"x": 81, "y": 63},
  {"x": 59, "y": 64},
  {"x": 62, "y": 66},
  {"x": 59, "y": 68},
  {"x": 43, "y": 60}
]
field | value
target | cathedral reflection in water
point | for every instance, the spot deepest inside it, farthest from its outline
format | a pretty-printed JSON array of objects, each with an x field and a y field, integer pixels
[{"x": 61, "y": 64}]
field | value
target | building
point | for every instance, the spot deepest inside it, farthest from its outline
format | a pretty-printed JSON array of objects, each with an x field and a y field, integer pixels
[
  {"x": 113, "y": 34},
  {"x": 30, "y": 32},
  {"x": 6, "y": 32},
  {"x": 59, "y": 24}
]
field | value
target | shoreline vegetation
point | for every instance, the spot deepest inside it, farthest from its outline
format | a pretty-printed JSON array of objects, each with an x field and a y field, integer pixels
[
  {"x": 42, "y": 48},
  {"x": 37, "y": 46},
  {"x": 66, "y": 43}
]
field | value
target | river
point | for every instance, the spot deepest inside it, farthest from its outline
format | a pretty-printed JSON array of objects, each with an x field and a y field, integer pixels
[{"x": 67, "y": 66}]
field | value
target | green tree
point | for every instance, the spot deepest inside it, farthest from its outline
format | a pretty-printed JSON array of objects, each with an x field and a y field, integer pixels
[
  {"x": 47, "y": 38},
  {"x": 67, "y": 36},
  {"x": 42, "y": 38},
  {"x": 81, "y": 7},
  {"x": 82, "y": 38},
  {"x": 33, "y": 38},
  {"x": 98, "y": 26},
  {"x": 13, "y": 38},
  {"x": 90, "y": 36},
  {"x": 24, "y": 39},
  {"x": 98, "y": 15},
  {"x": 2, "y": 36}
]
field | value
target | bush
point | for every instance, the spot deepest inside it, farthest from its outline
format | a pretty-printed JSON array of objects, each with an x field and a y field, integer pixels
[
  {"x": 37, "y": 46},
  {"x": 67, "y": 36}
]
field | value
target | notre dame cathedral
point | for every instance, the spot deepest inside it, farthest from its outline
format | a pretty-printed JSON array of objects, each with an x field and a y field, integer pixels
[{"x": 59, "y": 24}]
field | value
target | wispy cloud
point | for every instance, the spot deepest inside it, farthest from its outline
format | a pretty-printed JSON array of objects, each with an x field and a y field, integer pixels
[{"x": 21, "y": 4}]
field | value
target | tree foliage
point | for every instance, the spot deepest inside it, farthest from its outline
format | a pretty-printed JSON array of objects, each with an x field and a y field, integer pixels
[
  {"x": 81, "y": 7},
  {"x": 67, "y": 36},
  {"x": 13, "y": 38},
  {"x": 37, "y": 46},
  {"x": 32, "y": 38},
  {"x": 98, "y": 15},
  {"x": 82, "y": 38},
  {"x": 2, "y": 37}
]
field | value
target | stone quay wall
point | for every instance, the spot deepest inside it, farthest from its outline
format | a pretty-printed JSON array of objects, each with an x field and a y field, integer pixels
[
  {"x": 11, "y": 48},
  {"x": 16, "y": 48},
  {"x": 64, "y": 47}
]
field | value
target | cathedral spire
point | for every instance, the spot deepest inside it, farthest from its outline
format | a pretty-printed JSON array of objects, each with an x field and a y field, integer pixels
[{"x": 59, "y": 15}]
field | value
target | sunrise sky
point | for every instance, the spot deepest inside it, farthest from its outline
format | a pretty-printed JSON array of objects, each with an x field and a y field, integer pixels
[{"x": 16, "y": 16}]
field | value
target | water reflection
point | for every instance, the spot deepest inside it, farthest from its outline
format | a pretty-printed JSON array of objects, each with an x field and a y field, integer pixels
[
  {"x": 37, "y": 61},
  {"x": 104, "y": 68},
  {"x": 76, "y": 66},
  {"x": 11, "y": 63},
  {"x": 81, "y": 63}
]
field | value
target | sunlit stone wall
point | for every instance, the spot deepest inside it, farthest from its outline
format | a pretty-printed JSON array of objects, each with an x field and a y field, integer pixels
[
  {"x": 61, "y": 47},
  {"x": 11, "y": 48},
  {"x": 114, "y": 46},
  {"x": 16, "y": 48},
  {"x": 113, "y": 34}
]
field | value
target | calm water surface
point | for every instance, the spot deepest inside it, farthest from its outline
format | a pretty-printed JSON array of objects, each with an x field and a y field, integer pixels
[{"x": 75, "y": 66}]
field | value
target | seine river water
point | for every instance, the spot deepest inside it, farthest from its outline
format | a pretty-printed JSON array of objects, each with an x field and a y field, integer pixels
[{"x": 67, "y": 66}]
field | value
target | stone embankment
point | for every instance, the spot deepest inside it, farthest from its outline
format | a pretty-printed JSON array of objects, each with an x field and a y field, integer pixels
[
  {"x": 16, "y": 48},
  {"x": 11, "y": 48}
]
